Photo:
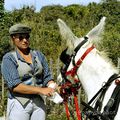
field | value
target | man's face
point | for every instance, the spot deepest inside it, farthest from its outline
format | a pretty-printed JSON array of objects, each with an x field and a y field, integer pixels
[{"x": 21, "y": 41}]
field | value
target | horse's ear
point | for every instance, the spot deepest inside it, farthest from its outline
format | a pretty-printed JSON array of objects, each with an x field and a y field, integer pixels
[
  {"x": 96, "y": 32},
  {"x": 67, "y": 34}
]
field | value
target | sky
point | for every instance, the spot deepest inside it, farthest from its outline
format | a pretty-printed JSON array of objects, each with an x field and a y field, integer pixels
[{"x": 12, "y": 4}]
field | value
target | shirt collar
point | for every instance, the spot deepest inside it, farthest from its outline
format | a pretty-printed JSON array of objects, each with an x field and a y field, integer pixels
[{"x": 20, "y": 57}]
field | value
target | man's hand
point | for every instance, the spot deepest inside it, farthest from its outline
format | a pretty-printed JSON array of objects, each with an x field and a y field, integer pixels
[{"x": 47, "y": 91}]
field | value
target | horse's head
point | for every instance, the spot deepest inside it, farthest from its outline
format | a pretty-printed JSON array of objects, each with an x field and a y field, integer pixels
[
  {"x": 78, "y": 49},
  {"x": 94, "y": 64},
  {"x": 72, "y": 41},
  {"x": 93, "y": 71}
]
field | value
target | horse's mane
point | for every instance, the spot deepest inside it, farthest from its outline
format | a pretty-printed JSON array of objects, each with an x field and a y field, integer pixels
[{"x": 105, "y": 55}]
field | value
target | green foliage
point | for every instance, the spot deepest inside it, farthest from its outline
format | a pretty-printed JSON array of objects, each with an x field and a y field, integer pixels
[
  {"x": 1, "y": 14},
  {"x": 55, "y": 112},
  {"x": 45, "y": 34},
  {"x": 1, "y": 10}
]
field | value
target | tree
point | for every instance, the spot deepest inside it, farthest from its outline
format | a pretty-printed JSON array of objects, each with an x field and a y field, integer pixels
[{"x": 1, "y": 14}]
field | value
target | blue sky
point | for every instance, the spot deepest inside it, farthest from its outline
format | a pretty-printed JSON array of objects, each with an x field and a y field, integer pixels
[{"x": 11, "y": 4}]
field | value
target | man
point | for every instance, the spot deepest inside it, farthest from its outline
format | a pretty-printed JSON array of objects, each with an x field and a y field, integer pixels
[{"x": 27, "y": 76}]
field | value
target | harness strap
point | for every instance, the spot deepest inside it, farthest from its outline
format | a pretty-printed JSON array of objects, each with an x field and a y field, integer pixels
[
  {"x": 77, "y": 107},
  {"x": 81, "y": 44},
  {"x": 104, "y": 88},
  {"x": 72, "y": 72},
  {"x": 66, "y": 90},
  {"x": 113, "y": 103},
  {"x": 93, "y": 114},
  {"x": 67, "y": 110},
  {"x": 113, "y": 77},
  {"x": 78, "y": 112},
  {"x": 98, "y": 104},
  {"x": 117, "y": 102}
]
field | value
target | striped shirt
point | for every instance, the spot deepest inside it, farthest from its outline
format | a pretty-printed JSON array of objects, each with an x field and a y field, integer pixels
[{"x": 11, "y": 75}]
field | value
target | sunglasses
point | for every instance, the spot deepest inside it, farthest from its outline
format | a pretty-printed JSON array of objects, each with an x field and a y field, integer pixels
[{"x": 23, "y": 36}]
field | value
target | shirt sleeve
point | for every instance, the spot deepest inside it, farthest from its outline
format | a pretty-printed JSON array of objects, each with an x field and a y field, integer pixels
[
  {"x": 47, "y": 75},
  {"x": 9, "y": 71}
]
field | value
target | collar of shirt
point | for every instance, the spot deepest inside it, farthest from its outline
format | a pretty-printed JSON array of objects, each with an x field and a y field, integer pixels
[{"x": 31, "y": 52}]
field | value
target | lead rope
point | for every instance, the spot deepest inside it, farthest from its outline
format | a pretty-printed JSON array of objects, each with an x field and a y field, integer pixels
[
  {"x": 67, "y": 110},
  {"x": 78, "y": 112},
  {"x": 67, "y": 90}
]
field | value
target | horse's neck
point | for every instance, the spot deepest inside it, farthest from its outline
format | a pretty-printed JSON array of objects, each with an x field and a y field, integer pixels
[{"x": 93, "y": 73}]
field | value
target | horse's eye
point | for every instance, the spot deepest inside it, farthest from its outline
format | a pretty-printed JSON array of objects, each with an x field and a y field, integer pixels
[{"x": 86, "y": 38}]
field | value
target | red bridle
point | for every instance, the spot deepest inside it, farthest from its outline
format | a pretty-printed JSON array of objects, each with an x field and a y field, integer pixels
[{"x": 73, "y": 71}]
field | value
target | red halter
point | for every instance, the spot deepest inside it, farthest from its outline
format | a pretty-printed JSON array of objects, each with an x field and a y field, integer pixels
[{"x": 73, "y": 71}]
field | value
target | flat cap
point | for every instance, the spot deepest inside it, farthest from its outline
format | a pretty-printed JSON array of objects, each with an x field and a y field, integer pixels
[{"x": 19, "y": 28}]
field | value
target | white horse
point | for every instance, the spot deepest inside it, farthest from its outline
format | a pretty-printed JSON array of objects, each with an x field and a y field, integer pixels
[{"x": 95, "y": 69}]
